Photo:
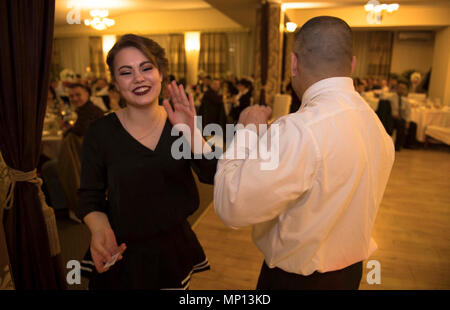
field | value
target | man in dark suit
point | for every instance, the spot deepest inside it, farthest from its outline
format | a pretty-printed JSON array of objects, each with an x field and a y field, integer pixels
[
  {"x": 86, "y": 111},
  {"x": 212, "y": 109},
  {"x": 401, "y": 113}
]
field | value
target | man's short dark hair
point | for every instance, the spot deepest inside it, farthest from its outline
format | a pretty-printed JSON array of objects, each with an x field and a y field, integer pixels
[
  {"x": 323, "y": 46},
  {"x": 75, "y": 85}
]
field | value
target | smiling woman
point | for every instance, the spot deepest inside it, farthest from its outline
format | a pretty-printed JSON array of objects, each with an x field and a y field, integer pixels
[{"x": 150, "y": 194}]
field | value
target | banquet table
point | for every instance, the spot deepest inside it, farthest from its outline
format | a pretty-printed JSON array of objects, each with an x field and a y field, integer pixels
[
  {"x": 51, "y": 144},
  {"x": 425, "y": 117}
]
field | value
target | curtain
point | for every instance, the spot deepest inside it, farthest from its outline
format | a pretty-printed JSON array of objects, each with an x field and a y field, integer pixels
[
  {"x": 213, "y": 58},
  {"x": 163, "y": 40},
  {"x": 240, "y": 56},
  {"x": 177, "y": 56},
  {"x": 26, "y": 32},
  {"x": 288, "y": 45},
  {"x": 73, "y": 54},
  {"x": 173, "y": 44},
  {"x": 373, "y": 51},
  {"x": 97, "y": 63},
  {"x": 55, "y": 66}
]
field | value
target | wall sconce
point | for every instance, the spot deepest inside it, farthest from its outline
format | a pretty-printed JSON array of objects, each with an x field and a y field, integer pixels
[
  {"x": 192, "y": 41},
  {"x": 108, "y": 42},
  {"x": 290, "y": 26}
]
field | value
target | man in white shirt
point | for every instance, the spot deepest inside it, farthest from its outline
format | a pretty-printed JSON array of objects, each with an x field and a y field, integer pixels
[{"x": 313, "y": 214}]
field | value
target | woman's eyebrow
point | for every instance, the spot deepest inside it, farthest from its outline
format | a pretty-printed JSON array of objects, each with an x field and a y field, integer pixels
[
  {"x": 127, "y": 67},
  {"x": 145, "y": 62},
  {"x": 140, "y": 65}
]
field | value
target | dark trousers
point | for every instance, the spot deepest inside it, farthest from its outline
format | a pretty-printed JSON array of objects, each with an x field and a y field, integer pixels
[
  {"x": 399, "y": 127},
  {"x": 278, "y": 279}
]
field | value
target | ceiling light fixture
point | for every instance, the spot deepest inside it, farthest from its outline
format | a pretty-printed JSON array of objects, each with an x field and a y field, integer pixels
[
  {"x": 99, "y": 20},
  {"x": 376, "y": 10}
]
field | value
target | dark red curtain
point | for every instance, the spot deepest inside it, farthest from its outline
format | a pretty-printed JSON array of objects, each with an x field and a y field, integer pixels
[{"x": 26, "y": 35}]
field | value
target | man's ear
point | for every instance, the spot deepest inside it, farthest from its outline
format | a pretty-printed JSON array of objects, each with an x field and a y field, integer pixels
[
  {"x": 294, "y": 64},
  {"x": 353, "y": 64}
]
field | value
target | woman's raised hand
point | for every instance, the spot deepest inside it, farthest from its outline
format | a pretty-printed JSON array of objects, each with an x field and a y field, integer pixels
[{"x": 183, "y": 110}]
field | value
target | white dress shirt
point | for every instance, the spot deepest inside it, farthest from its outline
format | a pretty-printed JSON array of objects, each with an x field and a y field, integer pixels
[{"x": 316, "y": 210}]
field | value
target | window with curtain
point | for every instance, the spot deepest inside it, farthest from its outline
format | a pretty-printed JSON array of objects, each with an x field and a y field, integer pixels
[
  {"x": 97, "y": 64},
  {"x": 173, "y": 44},
  {"x": 213, "y": 59},
  {"x": 177, "y": 56},
  {"x": 240, "y": 56},
  {"x": 71, "y": 53},
  {"x": 373, "y": 51}
]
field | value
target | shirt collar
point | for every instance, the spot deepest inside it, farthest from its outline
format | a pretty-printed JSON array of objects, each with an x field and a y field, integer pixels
[{"x": 333, "y": 83}]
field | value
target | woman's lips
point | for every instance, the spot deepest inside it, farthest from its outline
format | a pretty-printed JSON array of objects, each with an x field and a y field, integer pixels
[{"x": 141, "y": 91}]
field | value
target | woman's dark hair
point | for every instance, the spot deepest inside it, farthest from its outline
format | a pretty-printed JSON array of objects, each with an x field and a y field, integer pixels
[{"x": 152, "y": 50}]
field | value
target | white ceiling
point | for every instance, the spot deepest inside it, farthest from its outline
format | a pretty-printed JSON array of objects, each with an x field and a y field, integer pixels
[
  {"x": 240, "y": 11},
  {"x": 120, "y": 7}
]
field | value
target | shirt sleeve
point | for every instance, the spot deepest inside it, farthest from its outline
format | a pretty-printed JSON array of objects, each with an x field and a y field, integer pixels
[
  {"x": 91, "y": 194},
  {"x": 259, "y": 187}
]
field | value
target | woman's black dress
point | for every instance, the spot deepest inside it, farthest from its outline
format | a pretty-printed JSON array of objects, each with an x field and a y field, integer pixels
[{"x": 147, "y": 196}]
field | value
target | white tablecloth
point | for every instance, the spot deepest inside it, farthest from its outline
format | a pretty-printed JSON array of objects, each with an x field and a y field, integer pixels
[
  {"x": 51, "y": 144},
  {"x": 424, "y": 117},
  {"x": 439, "y": 133}
]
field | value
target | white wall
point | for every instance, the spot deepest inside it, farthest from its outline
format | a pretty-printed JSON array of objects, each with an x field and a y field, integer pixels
[
  {"x": 406, "y": 55},
  {"x": 440, "y": 75}
]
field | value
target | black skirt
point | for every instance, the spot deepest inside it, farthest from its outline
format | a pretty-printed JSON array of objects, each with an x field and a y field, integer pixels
[{"x": 166, "y": 261}]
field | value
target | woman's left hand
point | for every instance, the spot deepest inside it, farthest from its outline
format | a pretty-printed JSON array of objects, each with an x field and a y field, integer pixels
[{"x": 183, "y": 111}]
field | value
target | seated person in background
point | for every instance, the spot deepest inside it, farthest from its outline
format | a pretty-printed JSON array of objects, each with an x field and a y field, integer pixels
[
  {"x": 401, "y": 113},
  {"x": 116, "y": 102},
  {"x": 212, "y": 109},
  {"x": 86, "y": 111},
  {"x": 370, "y": 83},
  {"x": 384, "y": 86},
  {"x": 393, "y": 81},
  {"x": 69, "y": 159},
  {"x": 376, "y": 84},
  {"x": 100, "y": 88}
]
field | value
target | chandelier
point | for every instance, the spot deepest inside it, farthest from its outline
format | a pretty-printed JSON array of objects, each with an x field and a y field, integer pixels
[
  {"x": 99, "y": 20},
  {"x": 376, "y": 10}
]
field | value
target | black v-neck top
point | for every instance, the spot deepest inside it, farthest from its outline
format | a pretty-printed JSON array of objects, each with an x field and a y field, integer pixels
[{"x": 144, "y": 192}]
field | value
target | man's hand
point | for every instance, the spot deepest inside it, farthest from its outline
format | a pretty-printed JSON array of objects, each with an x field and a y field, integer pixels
[{"x": 255, "y": 114}]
